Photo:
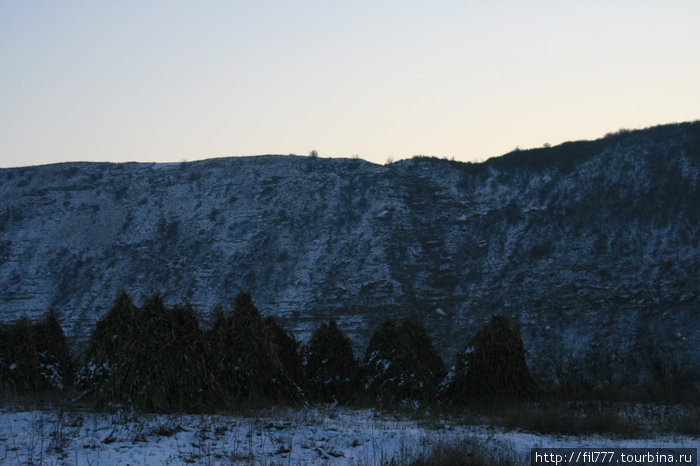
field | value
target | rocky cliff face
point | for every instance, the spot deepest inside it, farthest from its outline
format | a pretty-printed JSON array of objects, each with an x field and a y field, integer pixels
[{"x": 582, "y": 243}]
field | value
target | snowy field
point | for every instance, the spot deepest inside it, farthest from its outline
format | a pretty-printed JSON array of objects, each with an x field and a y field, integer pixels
[{"x": 319, "y": 435}]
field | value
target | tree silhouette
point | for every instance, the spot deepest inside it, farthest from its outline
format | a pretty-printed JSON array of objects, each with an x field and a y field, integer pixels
[
  {"x": 330, "y": 365},
  {"x": 491, "y": 368}
]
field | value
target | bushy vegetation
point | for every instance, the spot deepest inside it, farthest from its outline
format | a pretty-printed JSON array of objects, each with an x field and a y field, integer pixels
[
  {"x": 288, "y": 351},
  {"x": 249, "y": 356},
  {"x": 19, "y": 363},
  {"x": 157, "y": 358},
  {"x": 651, "y": 369},
  {"x": 55, "y": 361},
  {"x": 34, "y": 357},
  {"x": 330, "y": 365},
  {"x": 401, "y": 366},
  {"x": 151, "y": 358},
  {"x": 491, "y": 368}
]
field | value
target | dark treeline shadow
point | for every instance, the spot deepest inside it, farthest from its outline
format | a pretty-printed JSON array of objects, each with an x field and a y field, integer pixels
[{"x": 155, "y": 358}]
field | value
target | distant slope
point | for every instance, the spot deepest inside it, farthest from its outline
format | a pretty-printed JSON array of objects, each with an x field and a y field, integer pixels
[{"x": 587, "y": 241}]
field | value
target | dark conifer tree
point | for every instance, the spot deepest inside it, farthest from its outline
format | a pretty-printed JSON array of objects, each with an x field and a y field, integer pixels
[
  {"x": 288, "y": 350},
  {"x": 53, "y": 353},
  {"x": 34, "y": 357},
  {"x": 20, "y": 371},
  {"x": 247, "y": 358},
  {"x": 330, "y": 365},
  {"x": 401, "y": 366},
  {"x": 491, "y": 368},
  {"x": 153, "y": 358}
]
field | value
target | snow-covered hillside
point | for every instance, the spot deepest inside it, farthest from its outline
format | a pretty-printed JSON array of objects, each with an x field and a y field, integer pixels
[{"x": 587, "y": 242}]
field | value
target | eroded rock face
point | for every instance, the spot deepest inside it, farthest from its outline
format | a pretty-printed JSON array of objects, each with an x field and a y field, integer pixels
[{"x": 581, "y": 243}]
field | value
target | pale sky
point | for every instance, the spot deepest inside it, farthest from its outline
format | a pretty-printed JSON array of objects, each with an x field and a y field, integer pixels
[{"x": 167, "y": 81}]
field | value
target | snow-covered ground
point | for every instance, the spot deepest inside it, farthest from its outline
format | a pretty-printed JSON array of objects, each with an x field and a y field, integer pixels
[{"x": 318, "y": 435}]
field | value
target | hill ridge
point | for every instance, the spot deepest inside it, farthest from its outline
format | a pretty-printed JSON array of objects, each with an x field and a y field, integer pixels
[{"x": 586, "y": 238}]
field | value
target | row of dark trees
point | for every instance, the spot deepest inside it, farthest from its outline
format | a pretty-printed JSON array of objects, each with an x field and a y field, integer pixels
[{"x": 155, "y": 358}]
